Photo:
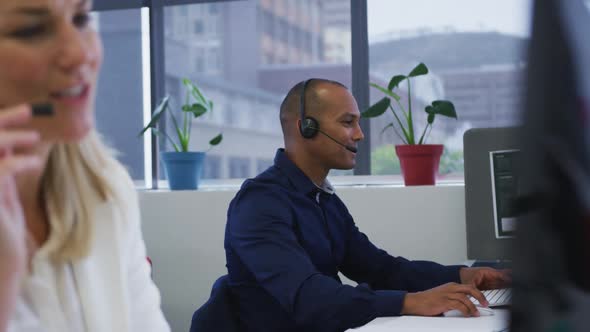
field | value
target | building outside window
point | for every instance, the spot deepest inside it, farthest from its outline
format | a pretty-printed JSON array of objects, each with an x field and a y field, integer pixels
[
  {"x": 212, "y": 168},
  {"x": 263, "y": 164},
  {"x": 249, "y": 65},
  {"x": 198, "y": 27},
  {"x": 239, "y": 167},
  {"x": 119, "y": 103}
]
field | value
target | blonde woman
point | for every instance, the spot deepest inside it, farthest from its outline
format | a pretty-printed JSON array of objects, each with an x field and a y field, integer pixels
[{"x": 72, "y": 256}]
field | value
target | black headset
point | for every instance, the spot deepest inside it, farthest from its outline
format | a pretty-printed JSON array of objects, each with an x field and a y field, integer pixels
[{"x": 309, "y": 126}]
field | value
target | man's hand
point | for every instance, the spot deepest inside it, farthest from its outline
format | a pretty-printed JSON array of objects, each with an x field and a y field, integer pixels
[
  {"x": 485, "y": 277},
  {"x": 443, "y": 298}
]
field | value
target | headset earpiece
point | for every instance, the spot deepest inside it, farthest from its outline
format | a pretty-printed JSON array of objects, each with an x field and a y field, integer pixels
[{"x": 309, "y": 127}]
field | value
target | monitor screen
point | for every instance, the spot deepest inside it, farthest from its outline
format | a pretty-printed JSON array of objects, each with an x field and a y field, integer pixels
[{"x": 504, "y": 181}]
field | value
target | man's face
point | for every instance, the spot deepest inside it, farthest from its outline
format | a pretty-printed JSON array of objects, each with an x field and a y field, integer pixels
[{"x": 338, "y": 116}]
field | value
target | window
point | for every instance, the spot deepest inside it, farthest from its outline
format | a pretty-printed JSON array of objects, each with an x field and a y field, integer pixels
[
  {"x": 212, "y": 167},
  {"x": 213, "y": 26},
  {"x": 198, "y": 27},
  {"x": 267, "y": 22},
  {"x": 213, "y": 64},
  {"x": 213, "y": 9},
  {"x": 239, "y": 167},
  {"x": 476, "y": 57},
  {"x": 283, "y": 33},
  {"x": 246, "y": 68},
  {"x": 119, "y": 101},
  {"x": 263, "y": 164},
  {"x": 199, "y": 67},
  {"x": 245, "y": 55}
]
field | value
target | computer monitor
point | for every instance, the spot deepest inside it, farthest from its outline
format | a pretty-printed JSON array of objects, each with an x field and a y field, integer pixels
[{"x": 491, "y": 185}]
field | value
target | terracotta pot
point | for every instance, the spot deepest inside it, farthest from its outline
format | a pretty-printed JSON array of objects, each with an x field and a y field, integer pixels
[{"x": 419, "y": 163}]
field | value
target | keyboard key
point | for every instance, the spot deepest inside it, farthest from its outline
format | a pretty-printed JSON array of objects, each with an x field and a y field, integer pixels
[
  {"x": 495, "y": 297},
  {"x": 498, "y": 297}
]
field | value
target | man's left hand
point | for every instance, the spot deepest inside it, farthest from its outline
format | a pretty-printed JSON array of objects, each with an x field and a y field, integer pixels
[{"x": 485, "y": 277}]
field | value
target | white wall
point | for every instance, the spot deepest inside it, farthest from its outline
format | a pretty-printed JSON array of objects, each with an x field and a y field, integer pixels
[{"x": 184, "y": 233}]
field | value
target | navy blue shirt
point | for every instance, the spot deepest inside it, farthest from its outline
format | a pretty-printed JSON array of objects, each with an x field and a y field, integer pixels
[{"x": 285, "y": 242}]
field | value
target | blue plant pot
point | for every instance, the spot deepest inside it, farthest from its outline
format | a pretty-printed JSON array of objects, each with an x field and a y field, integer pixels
[{"x": 183, "y": 169}]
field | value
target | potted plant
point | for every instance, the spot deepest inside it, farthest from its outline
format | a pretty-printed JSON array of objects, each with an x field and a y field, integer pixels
[
  {"x": 183, "y": 168},
  {"x": 419, "y": 161}
]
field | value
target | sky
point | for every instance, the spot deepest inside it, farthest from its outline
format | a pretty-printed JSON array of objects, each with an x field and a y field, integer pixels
[{"x": 506, "y": 16}]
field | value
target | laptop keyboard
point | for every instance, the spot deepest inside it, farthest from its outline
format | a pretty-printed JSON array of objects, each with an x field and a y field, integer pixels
[{"x": 496, "y": 297}]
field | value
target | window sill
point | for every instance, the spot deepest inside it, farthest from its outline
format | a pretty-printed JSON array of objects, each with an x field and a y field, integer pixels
[{"x": 342, "y": 181}]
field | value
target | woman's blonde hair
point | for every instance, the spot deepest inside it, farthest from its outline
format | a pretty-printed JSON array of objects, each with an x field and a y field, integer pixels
[{"x": 79, "y": 176}]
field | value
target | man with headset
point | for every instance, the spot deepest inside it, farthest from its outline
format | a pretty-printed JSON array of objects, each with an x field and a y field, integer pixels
[{"x": 288, "y": 235}]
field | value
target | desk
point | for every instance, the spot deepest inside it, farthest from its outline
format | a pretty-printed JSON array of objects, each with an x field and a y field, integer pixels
[{"x": 497, "y": 322}]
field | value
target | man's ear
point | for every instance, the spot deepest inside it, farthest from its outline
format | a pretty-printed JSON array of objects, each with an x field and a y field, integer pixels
[{"x": 297, "y": 128}]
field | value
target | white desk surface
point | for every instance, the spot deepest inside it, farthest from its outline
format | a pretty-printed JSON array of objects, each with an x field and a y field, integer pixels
[{"x": 497, "y": 322}]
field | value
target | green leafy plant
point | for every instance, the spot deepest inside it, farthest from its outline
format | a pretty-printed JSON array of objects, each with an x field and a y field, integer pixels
[
  {"x": 404, "y": 120},
  {"x": 196, "y": 105}
]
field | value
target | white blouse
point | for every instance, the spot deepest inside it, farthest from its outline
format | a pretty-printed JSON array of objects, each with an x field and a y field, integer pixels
[
  {"x": 49, "y": 294},
  {"x": 109, "y": 290}
]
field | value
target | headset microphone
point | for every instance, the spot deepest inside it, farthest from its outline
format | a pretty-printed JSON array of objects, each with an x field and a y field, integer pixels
[{"x": 347, "y": 147}]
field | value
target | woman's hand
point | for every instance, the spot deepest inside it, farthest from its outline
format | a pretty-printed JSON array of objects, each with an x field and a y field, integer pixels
[
  {"x": 13, "y": 231},
  {"x": 13, "y": 252}
]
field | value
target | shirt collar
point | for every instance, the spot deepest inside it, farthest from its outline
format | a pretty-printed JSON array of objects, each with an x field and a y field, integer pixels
[
  {"x": 301, "y": 182},
  {"x": 326, "y": 187}
]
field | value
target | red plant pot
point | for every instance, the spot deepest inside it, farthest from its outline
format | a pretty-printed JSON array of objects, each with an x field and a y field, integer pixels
[{"x": 419, "y": 163}]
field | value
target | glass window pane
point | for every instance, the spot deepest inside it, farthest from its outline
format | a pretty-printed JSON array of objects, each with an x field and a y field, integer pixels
[
  {"x": 119, "y": 102},
  {"x": 475, "y": 51},
  {"x": 245, "y": 56}
]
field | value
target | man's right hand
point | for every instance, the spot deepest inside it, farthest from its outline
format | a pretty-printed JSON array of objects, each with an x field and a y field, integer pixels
[{"x": 443, "y": 298}]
